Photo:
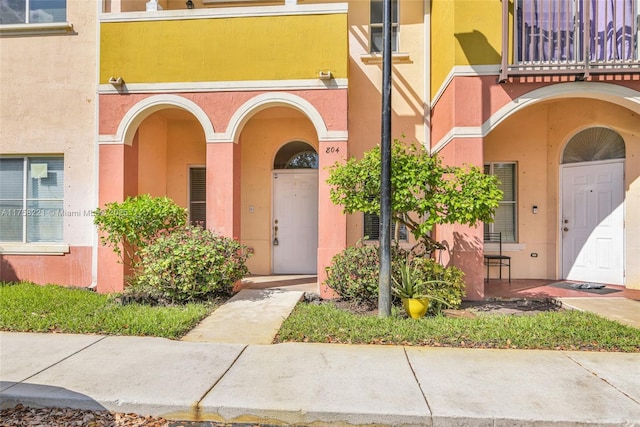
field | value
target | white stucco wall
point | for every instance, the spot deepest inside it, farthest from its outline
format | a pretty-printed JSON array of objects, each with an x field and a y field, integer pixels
[{"x": 48, "y": 106}]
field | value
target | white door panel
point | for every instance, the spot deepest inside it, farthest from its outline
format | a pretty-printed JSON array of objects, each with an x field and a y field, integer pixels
[
  {"x": 295, "y": 208},
  {"x": 593, "y": 222}
]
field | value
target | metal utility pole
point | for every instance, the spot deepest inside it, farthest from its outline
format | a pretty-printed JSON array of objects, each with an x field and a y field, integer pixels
[{"x": 384, "y": 293}]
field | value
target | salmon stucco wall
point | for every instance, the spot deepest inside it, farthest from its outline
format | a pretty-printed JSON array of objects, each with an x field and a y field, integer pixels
[
  {"x": 535, "y": 138},
  {"x": 169, "y": 142},
  {"x": 463, "y": 243},
  {"x": 152, "y": 156},
  {"x": 261, "y": 138},
  {"x": 70, "y": 269}
]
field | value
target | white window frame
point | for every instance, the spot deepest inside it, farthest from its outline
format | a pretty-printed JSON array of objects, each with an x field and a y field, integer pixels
[
  {"x": 27, "y": 15},
  {"x": 26, "y": 211},
  {"x": 395, "y": 27},
  {"x": 490, "y": 227}
]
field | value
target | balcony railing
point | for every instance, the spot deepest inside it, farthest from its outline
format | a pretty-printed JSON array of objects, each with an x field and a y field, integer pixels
[{"x": 577, "y": 37}]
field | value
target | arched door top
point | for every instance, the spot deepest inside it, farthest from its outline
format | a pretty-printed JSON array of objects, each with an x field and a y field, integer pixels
[
  {"x": 593, "y": 144},
  {"x": 296, "y": 155}
]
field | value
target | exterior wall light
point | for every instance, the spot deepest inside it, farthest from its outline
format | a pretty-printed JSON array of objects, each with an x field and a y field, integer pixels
[
  {"x": 190, "y": 4},
  {"x": 325, "y": 75}
]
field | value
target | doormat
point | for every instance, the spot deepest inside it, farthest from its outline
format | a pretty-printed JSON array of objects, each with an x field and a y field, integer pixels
[{"x": 592, "y": 288}]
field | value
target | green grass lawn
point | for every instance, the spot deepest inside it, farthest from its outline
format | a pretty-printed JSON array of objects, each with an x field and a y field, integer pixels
[
  {"x": 562, "y": 330},
  {"x": 26, "y": 307}
]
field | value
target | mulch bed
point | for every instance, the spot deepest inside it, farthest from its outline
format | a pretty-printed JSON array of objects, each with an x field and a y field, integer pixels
[
  {"x": 22, "y": 416},
  {"x": 467, "y": 309}
]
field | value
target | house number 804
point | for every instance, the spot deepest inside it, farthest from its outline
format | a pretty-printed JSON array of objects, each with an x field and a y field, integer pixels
[{"x": 330, "y": 150}]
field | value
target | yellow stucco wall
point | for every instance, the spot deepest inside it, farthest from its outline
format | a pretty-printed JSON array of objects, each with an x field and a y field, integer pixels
[
  {"x": 464, "y": 32},
  {"x": 224, "y": 49},
  {"x": 48, "y": 106},
  {"x": 535, "y": 138}
]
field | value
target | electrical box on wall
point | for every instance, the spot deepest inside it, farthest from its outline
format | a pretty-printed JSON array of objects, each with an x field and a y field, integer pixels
[{"x": 534, "y": 209}]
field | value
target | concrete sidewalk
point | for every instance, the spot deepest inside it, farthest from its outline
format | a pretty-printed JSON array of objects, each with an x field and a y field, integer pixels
[{"x": 317, "y": 383}]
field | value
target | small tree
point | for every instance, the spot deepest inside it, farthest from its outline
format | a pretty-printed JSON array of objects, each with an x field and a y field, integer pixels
[
  {"x": 135, "y": 222},
  {"x": 424, "y": 191}
]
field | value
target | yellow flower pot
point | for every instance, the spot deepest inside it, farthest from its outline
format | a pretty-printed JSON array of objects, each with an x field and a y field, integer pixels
[{"x": 415, "y": 307}]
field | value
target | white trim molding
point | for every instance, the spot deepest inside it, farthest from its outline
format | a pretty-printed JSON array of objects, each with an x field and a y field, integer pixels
[
  {"x": 226, "y": 12},
  {"x": 140, "y": 111},
  {"x": 143, "y": 109},
  {"x": 608, "y": 92},
  {"x": 43, "y": 29},
  {"x": 376, "y": 58},
  {"x": 465, "y": 71},
  {"x": 267, "y": 100},
  {"x": 458, "y": 132},
  {"x": 33, "y": 249},
  {"x": 223, "y": 86}
]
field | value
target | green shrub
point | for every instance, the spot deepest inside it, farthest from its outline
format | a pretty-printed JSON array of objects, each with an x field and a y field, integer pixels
[
  {"x": 128, "y": 227},
  {"x": 353, "y": 273},
  {"x": 444, "y": 283},
  {"x": 190, "y": 264}
]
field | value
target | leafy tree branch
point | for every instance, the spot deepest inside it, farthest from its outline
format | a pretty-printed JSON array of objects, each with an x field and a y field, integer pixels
[{"x": 425, "y": 192}]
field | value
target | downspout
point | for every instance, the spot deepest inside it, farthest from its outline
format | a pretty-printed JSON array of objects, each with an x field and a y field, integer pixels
[
  {"x": 427, "y": 76},
  {"x": 96, "y": 155}
]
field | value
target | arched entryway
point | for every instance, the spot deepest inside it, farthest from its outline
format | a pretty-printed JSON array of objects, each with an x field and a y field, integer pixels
[
  {"x": 295, "y": 209},
  {"x": 162, "y": 152},
  {"x": 592, "y": 206},
  {"x": 279, "y": 168}
]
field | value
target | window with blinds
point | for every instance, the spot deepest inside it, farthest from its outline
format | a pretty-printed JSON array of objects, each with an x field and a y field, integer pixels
[
  {"x": 31, "y": 199},
  {"x": 505, "y": 218},
  {"x": 198, "y": 196},
  {"x": 372, "y": 229}
]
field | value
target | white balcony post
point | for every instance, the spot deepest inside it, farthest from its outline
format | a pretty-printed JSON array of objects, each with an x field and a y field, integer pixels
[{"x": 153, "y": 6}]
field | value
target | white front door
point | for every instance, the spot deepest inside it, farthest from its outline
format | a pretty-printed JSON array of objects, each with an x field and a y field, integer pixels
[
  {"x": 593, "y": 222},
  {"x": 295, "y": 221}
]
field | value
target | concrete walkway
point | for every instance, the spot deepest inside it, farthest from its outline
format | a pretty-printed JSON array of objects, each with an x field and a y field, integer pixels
[
  {"x": 255, "y": 314},
  {"x": 252, "y": 316},
  {"x": 623, "y": 310},
  {"x": 320, "y": 384}
]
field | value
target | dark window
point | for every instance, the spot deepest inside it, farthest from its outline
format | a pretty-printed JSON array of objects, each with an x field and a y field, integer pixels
[
  {"x": 198, "y": 196},
  {"x": 375, "y": 26}
]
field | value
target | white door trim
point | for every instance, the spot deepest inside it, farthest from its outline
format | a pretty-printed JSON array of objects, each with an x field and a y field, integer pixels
[
  {"x": 563, "y": 167},
  {"x": 273, "y": 203}
]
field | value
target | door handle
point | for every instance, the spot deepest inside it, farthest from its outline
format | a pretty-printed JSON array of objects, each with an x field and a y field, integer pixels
[{"x": 276, "y": 242}]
